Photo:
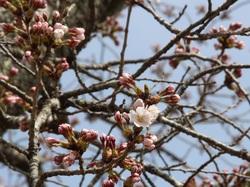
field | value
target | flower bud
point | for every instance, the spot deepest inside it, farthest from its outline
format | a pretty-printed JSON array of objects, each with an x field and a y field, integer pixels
[
  {"x": 119, "y": 118},
  {"x": 108, "y": 183},
  {"x": 173, "y": 99},
  {"x": 39, "y": 4},
  {"x": 52, "y": 141},
  {"x": 69, "y": 159},
  {"x": 4, "y": 77},
  {"x": 58, "y": 159},
  {"x": 13, "y": 71},
  {"x": 126, "y": 80},
  {"x": 235, "y": 26},
  {"x": 7, "y": 28},
  {"x": 28, "y": 56},
  {"x": 66, "y": 130},
  {"x": 88, "y": 135},
  {"x": 55, "y": 15},
  {"x": 239, "y": 45},
  {"x": 149, "y": 141},
  {"x": 168, "y": 91},
  {"x": 174, "y": 63}
]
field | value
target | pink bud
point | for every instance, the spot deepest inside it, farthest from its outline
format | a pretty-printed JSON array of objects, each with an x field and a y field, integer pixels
[
  {"x": 108, "y": 183},
  {"x": 12, "y": 99},
  {"x": 149, "y": 141},
  {"x": 13, "y": 71},
  {"x": 120, "y": 118},
  {"x": 173, "y": 99},
  {"x": 195, "y": 50},
  {"x": 56, "y": 15},
  {"x": 168, "y": 91},
  {"x": 32, "y": 89},
  {"x": 52, "y": 141},
  {"x": 111, "y": 141},
  {"x": 88, "y": 135},
  {"x": 58, "y": 159},
  {"x": 127, "y": 80},
  {"x": 65, "y": 129},
  {"x": 123, "y": 146},
  {"x": 239, "y": 45},
  {"x": 69, "y": 159},
  {"x": 135, "y": 177},
  {"x": 235, "y": 26},
  {"x": 174, "y": 63},
  {"x": 39, "y": 3},
  {"x": 4, "y": 77},
  {"x": 7, "y": 27},
  {"x": 28, "y": 56},
  {"x": 214, "y": 30}
]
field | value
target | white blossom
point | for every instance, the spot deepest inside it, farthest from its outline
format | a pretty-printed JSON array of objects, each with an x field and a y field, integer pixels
[{"x": 143, "y": 116}]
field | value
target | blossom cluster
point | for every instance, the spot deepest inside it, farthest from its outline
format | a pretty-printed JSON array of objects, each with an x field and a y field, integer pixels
[
  {"x": 230, "y": 41},
  {"x": 168, "y": 95},
  {"x": 77, "y": 144},
  {"x": 179, "y": 49}
]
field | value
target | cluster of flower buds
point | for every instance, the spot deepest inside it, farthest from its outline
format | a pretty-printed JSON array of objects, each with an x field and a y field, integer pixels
[
  {"x": 174, "y": 62},
  {"x": 230, "y": 41},
  {"x": 110, "y": 27},
  {"x": 234, "y": 180},
  {"x": 60, "y": 34},
  {"x": 127, "y": 80},
  {"x": 109, "y": 149},
  {"x": 11, "y": 99},
  {"x": 67, "y": 159},
  {"x": 135, "y": 168},
  {"x": 149, "y": 141},
  {"x": 231, "y": 84},
  {"x": 77, "y": 144},
  {"x": 170, "y": 96}
]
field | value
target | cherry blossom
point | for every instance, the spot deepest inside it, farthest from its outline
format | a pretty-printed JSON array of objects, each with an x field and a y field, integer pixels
[{"x": 143, "y": 116}]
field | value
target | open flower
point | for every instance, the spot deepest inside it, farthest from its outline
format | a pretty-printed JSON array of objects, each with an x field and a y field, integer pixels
[{"x": 144, "y": 116}]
